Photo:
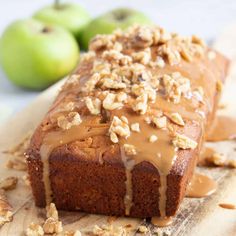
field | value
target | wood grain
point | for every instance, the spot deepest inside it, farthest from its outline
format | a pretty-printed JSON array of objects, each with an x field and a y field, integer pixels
[{"x": 195, "y": 216}]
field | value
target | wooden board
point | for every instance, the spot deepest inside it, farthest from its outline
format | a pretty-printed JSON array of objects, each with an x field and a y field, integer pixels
[{"x": 195, "y": 216}]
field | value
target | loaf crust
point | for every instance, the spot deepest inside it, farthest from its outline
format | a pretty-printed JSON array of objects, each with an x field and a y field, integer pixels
[{"x": 90, "y": 175}]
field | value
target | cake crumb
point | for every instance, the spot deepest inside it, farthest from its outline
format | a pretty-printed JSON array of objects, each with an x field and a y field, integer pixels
[{"x": 6, "y": 211}]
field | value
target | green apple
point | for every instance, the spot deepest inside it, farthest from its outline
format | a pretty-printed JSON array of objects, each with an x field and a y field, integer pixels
[
  {"x": 34, "y": 55},
  {"x": 105, "y": 24},
  {"x": 69, "y": 16}
]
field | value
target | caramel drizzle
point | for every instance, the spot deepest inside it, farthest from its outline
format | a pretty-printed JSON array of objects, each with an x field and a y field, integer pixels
[
  {"x": 58, "y": 138},
  {"x": 201, "y": 186}
]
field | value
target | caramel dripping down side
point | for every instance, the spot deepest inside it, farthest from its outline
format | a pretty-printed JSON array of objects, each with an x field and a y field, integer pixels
[
  {"x": 161, "y": 222},
  {"x": 200, "y": 186},
  {"x": 55, "y": 139},
  {"x": 160, "y": 154},
  {"x": 224, "y": 128}
]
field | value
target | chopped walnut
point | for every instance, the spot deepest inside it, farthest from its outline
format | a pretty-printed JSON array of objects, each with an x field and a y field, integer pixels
[
  {"x": 144, "y": 57},
  {"x": 34, "y": 230},
  {"x": 66, "y": 122},
  {"x": 135, "y": 127},
  {"x": 140, "y": 104},
  {"x": 121, "y": 97},
  {"x": 87, "y": 56},
  {"x": 111, "y": 83},
  {"x": 119, "y": 127},
  {"x": 72, "y": 233},
  {"x": 142, "y": 229},
  {"x": 91, "y": 83},
  {"x": 130, "y": 149},
  {"x": 153, "y": 138},
  {"x": 8, "y": 183},
  {"x": 101, "y": 42},
  {"x": 108, "y": 230},
  {"x": 51, "y": 226},
  {"x": 160, "y": 122},
  {"x": 109, "y": 102},
  {"x": 94, "y": 105},
  {"x": 6, "y": 213},
  {"x": 143, "y": 87},
  {"x": 52, "y": 211},
  {"x": 177, "y": 119},
  {"x": 183, "y": 142},
  {"x": 175, "y": 86},
  {"x": 114, "y": 56},
  {"x": 17, "y": 164}
]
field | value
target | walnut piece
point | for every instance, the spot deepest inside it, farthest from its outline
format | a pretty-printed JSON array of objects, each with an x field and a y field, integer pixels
[
  {"x": 6, "y": 213},
  {"x": 51, "y": 226},
  {"x": 34, "y": 230},
  {"x": 66, "y": 122},
  {"x": 142, "y": 229},
  {"x": 130, "y": 149},
  {"x": 153, "y": 138},
  {"x": 183, "y": 142},
  {"x": 177, "y": 119},
  {"x": 8, "y": 183},
  {"x": 94, "y": 105},
  {"x": 135, "y": 127},
  {"x": 17, "y": 164},
  {"x": 72, "y": 233},
  {"x": 108, "y": 230},
  {"x": 52, "y": 211}
]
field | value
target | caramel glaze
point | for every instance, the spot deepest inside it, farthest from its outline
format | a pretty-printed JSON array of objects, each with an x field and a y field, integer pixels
[
  {"x": 200, "y": 186},
  {"x": 161, "y": 222},
  {"x": 161, "y": 153},
  {"x": 224, "y": 128},
  {"x": 228, "y": 206}
]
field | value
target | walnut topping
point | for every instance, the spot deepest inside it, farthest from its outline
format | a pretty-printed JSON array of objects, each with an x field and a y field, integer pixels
[
  {"x": 101, "y": 42},
  {"x": 175, "y": 86},
  {"x": 217, "y": 159},
  {"x": 72, "y": 233},
  {"x": 153, "y": 138},
  {"x": 34, "y": 230},
  {"x": 87, "y": 56},
  {"x": 72, "y": 119},
  {"x": 130, "y": 149},
  {"x": 110, "y": 103},
  {"x": 52, "y": 211},
  {"x": 135, "y": 127},
  {"x": 91, "y": 83},
  {"x": 177, "y": 119},
  {"x": 183, "y": 142},
  {"x": 94, "y": 105},
  {"x": 114, "y": 56},
  {"x": 144, "y": 57},
  {"x": 51, "y": 226},
  {"x": 119, "y": 127},
  {"x": 140, "y": 104},
  {"x": 142, "y": 229},
  {"x": 109, "y": 230},
  {"x": 5, "y": 209},
  {"x": 160, "y": 122},
  {"x": 112, "y": 83},
  {"x": 8, "y": 183},
  {"x": 17, "y": 164}
]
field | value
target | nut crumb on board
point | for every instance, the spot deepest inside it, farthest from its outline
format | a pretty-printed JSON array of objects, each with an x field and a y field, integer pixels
[
  {"x": 6, "y": 211},
  {"x": 8, "y": 183}
]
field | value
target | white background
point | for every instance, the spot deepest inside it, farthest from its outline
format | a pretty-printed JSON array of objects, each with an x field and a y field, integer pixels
[{"x": 206, "y": 18}]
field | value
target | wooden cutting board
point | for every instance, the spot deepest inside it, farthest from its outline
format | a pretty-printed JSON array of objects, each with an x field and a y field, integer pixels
[{"x": 195, "y": 216}]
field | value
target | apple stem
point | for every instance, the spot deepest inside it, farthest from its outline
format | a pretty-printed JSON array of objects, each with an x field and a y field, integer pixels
[{"x": 57, "y": 4}]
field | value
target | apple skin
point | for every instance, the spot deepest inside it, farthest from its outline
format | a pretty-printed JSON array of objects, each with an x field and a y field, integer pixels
[
  {"x": 72, "y": 17},
  {"x": 34, "y": 55},
  {"x": 108, "y": 22}
]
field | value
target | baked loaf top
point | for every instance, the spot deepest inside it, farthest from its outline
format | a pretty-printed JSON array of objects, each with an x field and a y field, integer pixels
[{"x": 148, "y": 92}]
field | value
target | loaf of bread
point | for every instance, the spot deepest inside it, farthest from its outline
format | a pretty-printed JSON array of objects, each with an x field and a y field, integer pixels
[{"x": 124, "y": 134}]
